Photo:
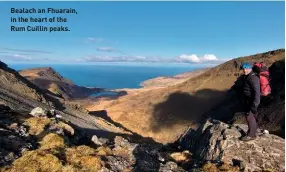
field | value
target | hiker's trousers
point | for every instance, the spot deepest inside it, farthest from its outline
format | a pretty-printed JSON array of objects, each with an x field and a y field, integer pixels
[
  {"x": 252, "y": 124},
  {"x": 250, "y": 117}
]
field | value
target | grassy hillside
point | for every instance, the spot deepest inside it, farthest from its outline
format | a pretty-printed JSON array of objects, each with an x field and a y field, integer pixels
[{"x": 164, "y": 114}]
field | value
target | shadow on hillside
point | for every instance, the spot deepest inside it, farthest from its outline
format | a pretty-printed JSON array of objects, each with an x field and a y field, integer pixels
[
  {"x": 103, "y": 114},
  {"x": 85, "y": 135},
  {"x": 182, "y": 107},
  {"x": 55, "y": 101}
]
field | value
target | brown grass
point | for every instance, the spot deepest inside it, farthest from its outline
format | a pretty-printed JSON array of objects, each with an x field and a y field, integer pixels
[
  {"x": 83, "y": 157},
  {"x": 123, "y": 152},
  {"x": 52, "y": 141},
  {"x": 209, "y": 167},
  {"x": 33, "y": 161},
  {"x": 37, "y": 125},
  {"x": 103, "y": 151},
  {"x": 69, "y": 168},
  {"x": 47, "y": 159}
]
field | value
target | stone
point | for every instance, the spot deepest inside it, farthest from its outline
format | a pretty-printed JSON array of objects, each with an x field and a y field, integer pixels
[
  {"x": 117, "y": 164},
  {"x": 124, "y": 149},
  {"x": 99, "y": 141},
  {"x": 181, "y": 157},
  {"x": 56, "y": 129},
  {"x": 39, "y": 112},
  {"x": 220, "y": 142}
]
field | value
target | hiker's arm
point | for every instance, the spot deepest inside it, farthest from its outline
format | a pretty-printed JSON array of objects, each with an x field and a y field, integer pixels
[
  {"x": 237, "y": 86},
  {"x": 255, "y": 84}
]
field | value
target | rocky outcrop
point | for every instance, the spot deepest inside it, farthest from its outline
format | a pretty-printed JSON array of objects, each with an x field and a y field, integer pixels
[
  {"x": 218, "y": 142},
  {"x": 14, "y": 137}
]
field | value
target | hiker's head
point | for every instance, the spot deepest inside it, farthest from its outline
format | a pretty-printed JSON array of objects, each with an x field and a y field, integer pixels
[{"x": 246, "y": 67}]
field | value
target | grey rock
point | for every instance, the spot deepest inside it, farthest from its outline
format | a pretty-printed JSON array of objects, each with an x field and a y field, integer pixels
[
  {"x": 170, "y": 167},
  {"x": 125, "y": 149},
  {"x": 220, "y": 142},
  {"x": 39, "y": 112},
  {"x": 99, "y": 141},
  {"x": 117, "y": 164},
  {"x": 56, "y": 129}
]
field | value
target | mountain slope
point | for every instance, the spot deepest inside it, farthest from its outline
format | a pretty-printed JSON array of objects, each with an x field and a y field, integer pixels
[
  {"x": 164, "y": 114},
  {"x": 49, "y": 79},
  {"x": 22, "y": 96}
]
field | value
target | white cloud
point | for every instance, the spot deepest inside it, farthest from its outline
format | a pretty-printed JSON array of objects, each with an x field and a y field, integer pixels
[
  {"x": 189, "y": 58},
  {"x": 193, "y": 58},
  {"x": 91, "y": 39},
  {"x": 184, "y": 58},
  {"x": 106, "y": 49},
  {"x": 93, "y": 58},
  {"x": 121, "y": 58},
  {"x": 17, "y": 57},
  {"x": 210, "y": 57},
  {"x": 26, "y": 50}
]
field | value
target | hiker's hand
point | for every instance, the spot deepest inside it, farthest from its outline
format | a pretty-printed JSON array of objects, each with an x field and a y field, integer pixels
[{"x": 253, "y": 109}]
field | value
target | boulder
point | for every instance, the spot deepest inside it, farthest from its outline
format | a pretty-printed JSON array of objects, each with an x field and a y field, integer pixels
[
  {"x": 181, "y": 157},
  {"x": 99, "y": 141},
  {"x": 39, "y": 112},
  {"x": 219, "y": 142},
  {"x": 124, "y": 149},
  {"x": 147, "y": 158},
  {"x": 117, "y": 164}
]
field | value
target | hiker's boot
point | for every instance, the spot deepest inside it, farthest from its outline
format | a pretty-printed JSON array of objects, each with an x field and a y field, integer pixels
[
  {"x": 259, "y": 132},
  {"x": 247, "y": 138}
]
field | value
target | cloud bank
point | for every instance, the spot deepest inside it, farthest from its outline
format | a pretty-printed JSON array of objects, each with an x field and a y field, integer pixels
[
  {"x": 29, "y": 51},
  {"x": 108, "y": 49},
  {"x": 184, "y": 58},
  {"x": 122, "y": 58},
  {"x": 17, "y": 57},
  {"x": 193, "y": 58}
]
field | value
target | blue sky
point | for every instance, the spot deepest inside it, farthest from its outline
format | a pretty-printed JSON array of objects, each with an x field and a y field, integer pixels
[{"x": 195, "y": 32}]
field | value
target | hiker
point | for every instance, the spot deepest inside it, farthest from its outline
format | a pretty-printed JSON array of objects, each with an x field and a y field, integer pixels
[{"x": 250, "y": 99}]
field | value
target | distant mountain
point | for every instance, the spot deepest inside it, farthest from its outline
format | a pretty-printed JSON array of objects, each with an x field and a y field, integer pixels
[{"x": 49, "y": 79}]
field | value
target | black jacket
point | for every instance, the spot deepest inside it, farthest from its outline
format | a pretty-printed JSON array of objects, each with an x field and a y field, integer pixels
[
  {"x": 247, "y": 88},
  {"x": 251, "y": 88}
]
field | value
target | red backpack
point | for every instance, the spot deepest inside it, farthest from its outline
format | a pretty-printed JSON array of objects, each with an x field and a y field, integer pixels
[{"x": 262, "y": 70}]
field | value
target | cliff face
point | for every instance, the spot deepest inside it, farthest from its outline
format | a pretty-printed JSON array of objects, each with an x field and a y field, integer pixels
[{"x": 49, "y": 79}]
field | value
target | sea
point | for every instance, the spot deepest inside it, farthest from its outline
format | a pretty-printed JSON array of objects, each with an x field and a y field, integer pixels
[{"x": 114, "y": 75}]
